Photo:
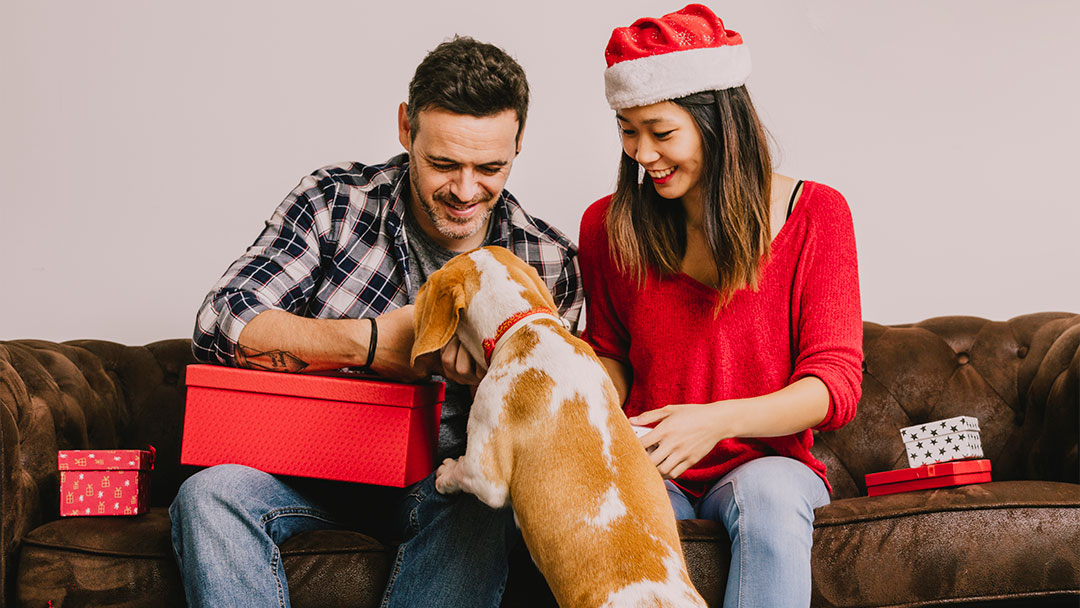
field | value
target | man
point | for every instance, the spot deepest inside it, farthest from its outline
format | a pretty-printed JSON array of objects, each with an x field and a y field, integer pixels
[{"x": 330, "y": 283}]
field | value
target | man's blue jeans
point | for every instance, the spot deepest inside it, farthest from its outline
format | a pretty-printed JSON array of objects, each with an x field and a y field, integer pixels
[
  {"x": 767, "y": 506},
  {"x": 228, "y": 520}
]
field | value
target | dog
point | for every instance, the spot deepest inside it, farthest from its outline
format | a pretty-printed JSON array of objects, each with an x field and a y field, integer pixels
[{"x": 546, "y": 433}]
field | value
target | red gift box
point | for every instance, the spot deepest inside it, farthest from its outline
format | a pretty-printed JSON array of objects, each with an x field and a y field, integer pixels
[
  {"x": 331, "y": 426},
  {"x": 104, "y": 482},
  {"x": 941, "y": 475}
]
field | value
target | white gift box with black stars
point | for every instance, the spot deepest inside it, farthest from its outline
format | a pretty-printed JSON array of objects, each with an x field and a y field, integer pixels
[{"x": 942, "y": 440}]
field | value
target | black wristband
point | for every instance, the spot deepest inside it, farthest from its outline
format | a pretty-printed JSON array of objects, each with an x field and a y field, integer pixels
[{"x": 373, "y": 343}]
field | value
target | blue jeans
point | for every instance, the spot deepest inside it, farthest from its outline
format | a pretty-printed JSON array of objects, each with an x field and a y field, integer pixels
[
  {"x": 228, "y": 520},
  {"x": 767, "y": 506}
]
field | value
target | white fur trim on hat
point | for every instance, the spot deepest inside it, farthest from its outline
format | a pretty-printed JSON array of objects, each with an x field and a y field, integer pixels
[{"x": 640, "y": 82}]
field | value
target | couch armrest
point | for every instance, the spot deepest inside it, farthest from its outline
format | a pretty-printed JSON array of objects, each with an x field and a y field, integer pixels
[
  {"x": 9, "y": 453},
  {"x": 17, "y": 491},
  {"x": 1050, "y": 381}
]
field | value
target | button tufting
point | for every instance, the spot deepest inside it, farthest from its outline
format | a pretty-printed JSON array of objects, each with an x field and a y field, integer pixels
[
  {"x": 962, "y": 358},
  {"x": 1022, "y": 352}
]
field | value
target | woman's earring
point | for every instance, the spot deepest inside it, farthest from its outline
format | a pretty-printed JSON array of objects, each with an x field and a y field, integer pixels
[{"x": 640, "y": 174}]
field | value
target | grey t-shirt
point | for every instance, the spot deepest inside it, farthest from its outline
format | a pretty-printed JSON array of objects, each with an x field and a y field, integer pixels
[{"x": 425, "y": 257}]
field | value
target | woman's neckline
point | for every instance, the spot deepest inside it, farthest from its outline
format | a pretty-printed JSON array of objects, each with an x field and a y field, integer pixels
[{"x": 779, "y": 239}]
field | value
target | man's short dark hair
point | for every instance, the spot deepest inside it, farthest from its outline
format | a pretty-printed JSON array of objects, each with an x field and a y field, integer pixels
[{"x": 465, "y": 76}]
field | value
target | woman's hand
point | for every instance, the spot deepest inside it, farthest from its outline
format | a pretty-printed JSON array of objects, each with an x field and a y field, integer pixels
[{"x": 683, "y": 435}]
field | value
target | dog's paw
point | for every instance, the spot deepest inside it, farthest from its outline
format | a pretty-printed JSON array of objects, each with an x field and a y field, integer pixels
[{"x": 448, "y": 476}]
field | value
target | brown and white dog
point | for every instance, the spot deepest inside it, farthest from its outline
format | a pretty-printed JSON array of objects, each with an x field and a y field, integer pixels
[{"x": 546, "y": 434}]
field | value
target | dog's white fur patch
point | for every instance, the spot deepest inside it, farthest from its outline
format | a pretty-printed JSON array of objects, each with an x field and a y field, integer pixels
[
  {"x": 673, "y": 592},
  {"x": 610, "y": 509}
]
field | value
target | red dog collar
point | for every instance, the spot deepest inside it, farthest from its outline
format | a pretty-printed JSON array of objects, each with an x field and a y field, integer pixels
[{"x": 489, "y": 343}]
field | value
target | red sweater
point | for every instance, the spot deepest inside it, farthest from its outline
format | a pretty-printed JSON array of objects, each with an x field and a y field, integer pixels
[{"x": 803, "y": 320}]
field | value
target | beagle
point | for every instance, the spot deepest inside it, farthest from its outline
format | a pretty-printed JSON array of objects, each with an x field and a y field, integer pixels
[{"x": 546, "y": 434}]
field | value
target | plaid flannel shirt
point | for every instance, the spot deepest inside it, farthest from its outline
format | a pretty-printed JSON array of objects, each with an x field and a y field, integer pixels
[{"x": 336, "y": 248}]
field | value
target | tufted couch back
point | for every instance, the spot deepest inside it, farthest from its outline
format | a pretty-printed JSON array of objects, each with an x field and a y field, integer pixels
[{"x": 1020, "y": 378}]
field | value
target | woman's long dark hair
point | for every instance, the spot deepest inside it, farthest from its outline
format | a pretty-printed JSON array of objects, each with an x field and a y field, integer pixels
[{"x": 648, "y": 232}]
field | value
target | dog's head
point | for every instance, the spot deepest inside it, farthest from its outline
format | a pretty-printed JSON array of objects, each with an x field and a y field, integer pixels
[{"x": 500, "y": 284}]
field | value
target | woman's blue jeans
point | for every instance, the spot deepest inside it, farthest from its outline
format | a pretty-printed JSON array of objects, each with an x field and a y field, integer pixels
[
  {"x": 228, "y": 520},
  {"x": 767, "y": 506}
]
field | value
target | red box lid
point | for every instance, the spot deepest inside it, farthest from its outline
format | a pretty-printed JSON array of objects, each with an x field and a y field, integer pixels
[
  {"x": 941, "y": 469},
  {"x": 335, "y": 386},
  {"x": 105, "y": 460}
]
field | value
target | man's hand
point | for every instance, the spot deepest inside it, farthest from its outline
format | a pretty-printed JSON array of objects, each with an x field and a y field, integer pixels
[
  {"x": 394, "y": 348},
  {"x": 458, "y": 365}
]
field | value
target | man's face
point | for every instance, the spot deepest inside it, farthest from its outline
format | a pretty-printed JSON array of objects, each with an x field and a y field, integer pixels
[{"x": 458, "y": 167}]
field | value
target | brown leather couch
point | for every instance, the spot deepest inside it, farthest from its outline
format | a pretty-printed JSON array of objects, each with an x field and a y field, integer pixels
[{"x": 1012, "y": 542}]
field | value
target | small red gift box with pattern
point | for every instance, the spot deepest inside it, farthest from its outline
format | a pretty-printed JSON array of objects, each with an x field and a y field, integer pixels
[
  {"x": 340, "y": 426},
  {"x": 104, "y": 482}
]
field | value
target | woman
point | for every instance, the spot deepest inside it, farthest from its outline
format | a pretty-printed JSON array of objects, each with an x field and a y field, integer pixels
[{"x": 722, "y": 298}]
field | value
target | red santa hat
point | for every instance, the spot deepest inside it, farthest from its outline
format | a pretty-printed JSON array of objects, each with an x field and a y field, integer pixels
[{"x": 684, "y": 52}]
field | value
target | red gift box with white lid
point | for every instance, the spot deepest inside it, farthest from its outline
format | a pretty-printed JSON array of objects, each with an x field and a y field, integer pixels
[
  {"x": 339, "y": 426},
  {"x": 943, "y": 448},
  {"x": 104, "y": 482},
  {"x": 940, "y": 475}
]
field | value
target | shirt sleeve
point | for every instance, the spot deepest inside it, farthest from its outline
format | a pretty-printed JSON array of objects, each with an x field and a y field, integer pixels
[
  {"x": 278, "y": 271},
  {"x": 603, "y": 330},
  {"x": 829, "y": 310}
]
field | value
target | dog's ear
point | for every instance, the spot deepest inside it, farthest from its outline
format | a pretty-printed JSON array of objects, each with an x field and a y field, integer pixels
[{"x": 435, "y": 318}]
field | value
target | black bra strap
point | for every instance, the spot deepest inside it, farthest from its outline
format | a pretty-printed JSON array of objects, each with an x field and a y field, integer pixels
[{"x": 791, "y": 203}]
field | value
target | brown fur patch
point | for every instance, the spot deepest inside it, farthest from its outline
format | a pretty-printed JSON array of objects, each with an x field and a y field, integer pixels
[
  {"x": 521, "y": 345},
  {"x": 526, "y": 403}
]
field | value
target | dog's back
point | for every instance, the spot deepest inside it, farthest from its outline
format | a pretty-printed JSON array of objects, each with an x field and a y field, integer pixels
[
  {"x": 592, "y": 507},
  {"x": 546, "y": 432}
]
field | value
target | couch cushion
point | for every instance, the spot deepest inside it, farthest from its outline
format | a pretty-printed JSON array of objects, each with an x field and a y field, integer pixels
[
  {"x": 124, "y": 562},
  {"x": 120, "y": 562},
  {"x": 1011, "y": 539},
  {"x": 336, "y": 568}
]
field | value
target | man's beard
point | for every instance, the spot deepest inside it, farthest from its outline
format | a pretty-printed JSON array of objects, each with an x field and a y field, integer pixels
[{"x": 448, "y": 225}]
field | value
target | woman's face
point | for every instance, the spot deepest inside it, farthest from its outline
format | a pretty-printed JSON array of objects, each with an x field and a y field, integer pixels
[{"x": 664, "y": 139}]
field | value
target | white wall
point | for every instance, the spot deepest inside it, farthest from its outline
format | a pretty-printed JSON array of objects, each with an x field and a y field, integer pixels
[{"x": 143, "y": 143}]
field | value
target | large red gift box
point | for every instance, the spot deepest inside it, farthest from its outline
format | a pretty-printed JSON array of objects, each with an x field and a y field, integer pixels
[
  {"x": 331, "y": 426},
  {"x": 104, "y": 482},
  {"x": 941, "y": 475}
]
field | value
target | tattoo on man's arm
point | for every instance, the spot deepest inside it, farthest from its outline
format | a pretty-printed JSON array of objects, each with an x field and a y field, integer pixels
[{"x": 271, "y": 360}]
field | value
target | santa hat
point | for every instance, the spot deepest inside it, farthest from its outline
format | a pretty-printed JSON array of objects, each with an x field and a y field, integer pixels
[{"x": 684, "y": 52}]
